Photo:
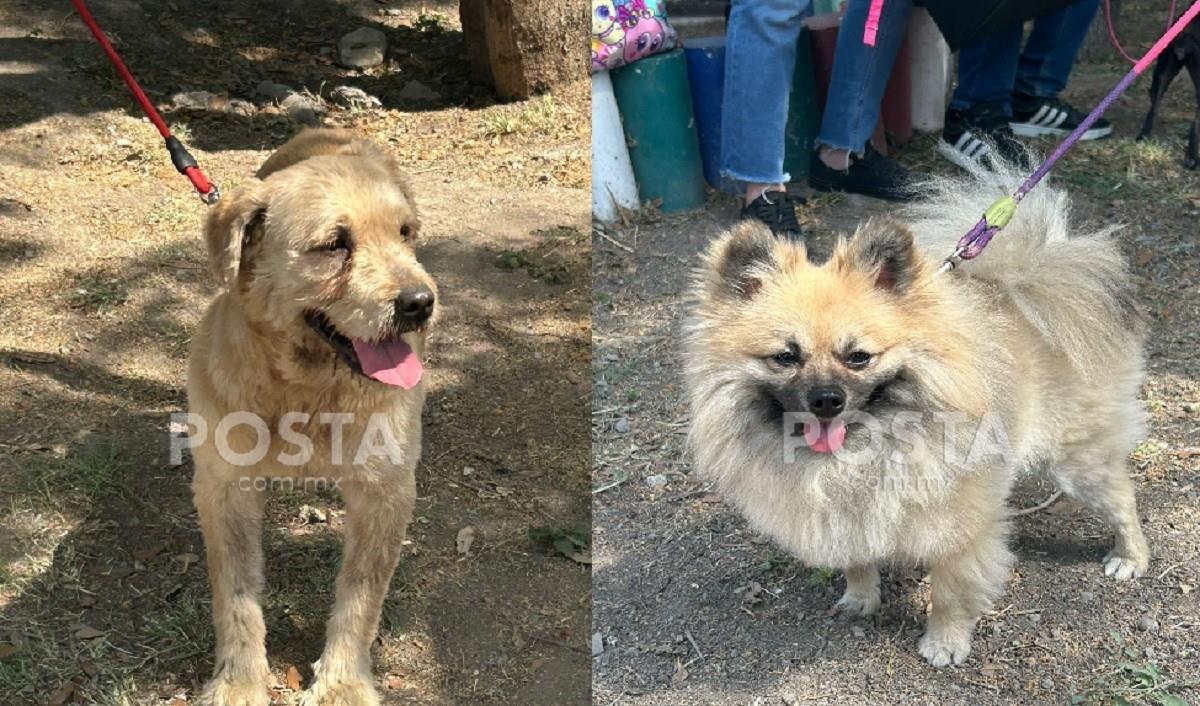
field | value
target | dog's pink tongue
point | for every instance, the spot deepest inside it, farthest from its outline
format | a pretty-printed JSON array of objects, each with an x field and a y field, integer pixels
[
  {"x": 827, "y": 437},
  {"x": 392, "y": 362}
]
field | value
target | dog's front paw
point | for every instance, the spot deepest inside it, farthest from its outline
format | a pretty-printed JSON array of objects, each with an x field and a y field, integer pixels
[
  {"x": 858, "y": 602},
  {"x": 1123, "y": 568},
  {"x": 944, "y": 647},
  {"x": 222, "y": 691},
  {"x": 342, "y": 692}
]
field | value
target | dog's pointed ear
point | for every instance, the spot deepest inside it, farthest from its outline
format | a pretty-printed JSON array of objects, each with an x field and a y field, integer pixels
[
  {"x": 233, "y": 225},
  {"x": 884, "y": 249},
  {"x": 737, "y": 262}
]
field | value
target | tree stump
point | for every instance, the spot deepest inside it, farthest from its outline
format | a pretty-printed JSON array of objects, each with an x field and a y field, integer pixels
[{"x": 523, "y": 47}]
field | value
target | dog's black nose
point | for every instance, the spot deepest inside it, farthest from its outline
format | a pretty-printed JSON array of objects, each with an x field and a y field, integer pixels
[
  {"x": 826, "y": 401},
  {"x": 414, "y": 305}
]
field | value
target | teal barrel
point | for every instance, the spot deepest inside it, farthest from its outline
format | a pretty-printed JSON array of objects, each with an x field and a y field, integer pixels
[
  {"x": 804, "y": 115},
  {"x": 656, "y": 110}
]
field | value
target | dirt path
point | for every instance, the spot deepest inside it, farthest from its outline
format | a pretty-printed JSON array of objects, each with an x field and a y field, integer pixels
[
  {"x": 103, "y": 595},
  {"x": 696, "y": 609}
]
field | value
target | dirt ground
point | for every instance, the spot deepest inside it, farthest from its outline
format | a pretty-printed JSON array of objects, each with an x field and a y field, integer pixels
[
  {"x": 103, "y": 595},
  {"x": 694, "y": 608}
]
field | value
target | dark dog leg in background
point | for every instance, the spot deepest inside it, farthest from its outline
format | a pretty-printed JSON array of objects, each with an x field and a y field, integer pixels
[
  {"x": 1191, "y": 157},
  {"x": 1165, "y": 70}
]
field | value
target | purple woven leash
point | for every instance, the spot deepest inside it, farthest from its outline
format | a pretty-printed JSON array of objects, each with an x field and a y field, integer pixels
[{"x": 976, "y": 239}]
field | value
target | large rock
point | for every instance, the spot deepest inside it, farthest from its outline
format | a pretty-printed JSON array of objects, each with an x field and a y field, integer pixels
[
  {"x": 353, "y": 97},
  {"x": 361, "y": 48}
]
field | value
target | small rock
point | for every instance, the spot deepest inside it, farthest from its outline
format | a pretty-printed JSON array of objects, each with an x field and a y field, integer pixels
[
  {"x": 237, "y": 106},
  {"x": 1047, "y": 683},
  {"x": 361, "y": 48},
  {"x": 1087, "y": 596},
  {"x": 122, "y": 142},
  {"x": 1147, "y": 623},
  {"x": 1035, "y": 619},
  {"x": 352, "y": 97},
  {"x": 621, "y": 426},
  {"x": 468, "y": 471},
  {"x": 310, "y": 515},
  {"x": 597, "y": 644},
  {"x": 790, "y": 700},
  {"x": 301, "y": 109},
  {"x": 192, "y": 100},
  {"x": 272, "y": 91},
  {"x": 857, "y": 631},
  {"x": 464, "y": 540},
  {"x": 391, "y": 11},
  {"x": 1150, "y": 653},
  {"x": 657, "y": 480},
  {"x": 418, "y": 92}
]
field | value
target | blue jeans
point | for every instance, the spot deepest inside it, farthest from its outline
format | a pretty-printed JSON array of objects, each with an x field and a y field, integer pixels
[
  {"x": 760, "y": 55},
  {"x": 995, "y": 68}
]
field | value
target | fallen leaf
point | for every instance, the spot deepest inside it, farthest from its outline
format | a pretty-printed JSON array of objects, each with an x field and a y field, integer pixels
[
  {"x": 1144, "y": 255},
  {"x": 149, "y": 552},
  {"x": 187, "y": 559},
  {"x": 87, "y": 632},
  {"x": 681, "y": 673},
  {"x": 62, "y": 694},
  {"x": 464, "y": 540},
  {"x": 8, "y": 650},
  {"x": 89, "y": 668},
  {"x": 293, "y": 678},
  {"x": 395, "y": 681},
  {"x": 991, "y": 669}
]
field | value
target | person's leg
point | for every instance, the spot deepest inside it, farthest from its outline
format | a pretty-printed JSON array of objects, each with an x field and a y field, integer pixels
[
  {"x": 860, "y": 75},
  {"x": 1046, "y": 61},
  {"x": 976, "y": 131},
  {"x": 1042, "y": 74},
  {"x": 987, "y": 70},
  {"x": 844, "y": 160},
  {"x": 760, "y": 56}
]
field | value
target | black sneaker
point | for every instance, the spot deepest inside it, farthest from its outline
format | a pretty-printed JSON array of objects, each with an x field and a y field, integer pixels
[
  {"x": 777, "y": 210},
  {"x": 974, "y": 137},
  {"x": 870, "y": 175},
  {"x": 1034, "y": 117}
]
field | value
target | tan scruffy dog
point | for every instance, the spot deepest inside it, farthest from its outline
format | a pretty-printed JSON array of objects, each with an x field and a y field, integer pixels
[
  {"x": 868, "y": 411},
  {"x": 319, "y": 332}
]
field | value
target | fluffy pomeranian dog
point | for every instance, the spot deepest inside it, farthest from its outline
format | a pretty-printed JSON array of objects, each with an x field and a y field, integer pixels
[{"x": 869, "y": 410}]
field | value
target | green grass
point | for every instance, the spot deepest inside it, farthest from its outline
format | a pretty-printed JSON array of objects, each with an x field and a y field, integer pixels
[
  {"x": 96, "y": 291},
  {"x": 538, "y": 116},
  {"x": 1131, "y": 683}
]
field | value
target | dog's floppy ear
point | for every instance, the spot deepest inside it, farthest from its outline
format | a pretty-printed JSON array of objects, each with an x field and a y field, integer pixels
[
  {"x": 884, "y": 249},
  {"x": 233, "y": 224},
  {"x": 737, "y": 262}
]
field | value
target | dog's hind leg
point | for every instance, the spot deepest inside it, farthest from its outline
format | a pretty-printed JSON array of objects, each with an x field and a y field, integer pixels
[
  {"x": 1165, "y": 70},
  {"x": 1191, "y": 158},
  {"x": 964, "y": 585},
  {"x": 377, "y": 517},
  {"x": 862, "y": 591},
  {"x": 1106, "y": 488},
  {"x": 231, "y": 520}
]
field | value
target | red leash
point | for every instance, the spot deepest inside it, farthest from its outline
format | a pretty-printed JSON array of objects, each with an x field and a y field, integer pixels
[{"x": 180, "y": 157}]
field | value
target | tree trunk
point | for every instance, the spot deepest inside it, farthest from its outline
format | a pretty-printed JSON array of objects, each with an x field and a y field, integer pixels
[
  {"x": 1097, "y": 46},
  {"x": 522, "y": 47}
]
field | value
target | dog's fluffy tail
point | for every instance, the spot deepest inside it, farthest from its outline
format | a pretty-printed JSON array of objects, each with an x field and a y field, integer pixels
[{"x": 1072, "y": 286}]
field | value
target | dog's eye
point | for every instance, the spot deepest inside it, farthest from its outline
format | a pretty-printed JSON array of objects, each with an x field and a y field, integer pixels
[
  {"x": 788, "y": 358},
  {"x": 857, "y": 360},
  {"x": 340, "y": 242},
  {"x": 408, "y": 232}
]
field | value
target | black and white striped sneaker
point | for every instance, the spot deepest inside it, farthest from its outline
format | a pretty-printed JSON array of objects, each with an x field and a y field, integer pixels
[
  {"x": 978, "y": 136},
  {"x": 1034, "y": 117}
]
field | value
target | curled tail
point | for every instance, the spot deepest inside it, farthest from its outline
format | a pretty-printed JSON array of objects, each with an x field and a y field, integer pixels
[{"x": 1072, "y": 285}]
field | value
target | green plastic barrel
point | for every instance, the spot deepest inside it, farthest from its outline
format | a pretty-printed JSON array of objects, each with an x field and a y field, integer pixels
[
  {"x": 656, "y": 112},
  {"x": 804, "y": 115}
]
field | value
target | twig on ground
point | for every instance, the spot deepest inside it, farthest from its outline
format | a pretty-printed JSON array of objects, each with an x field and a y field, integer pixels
[{"x": 1040, "y": 506}]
